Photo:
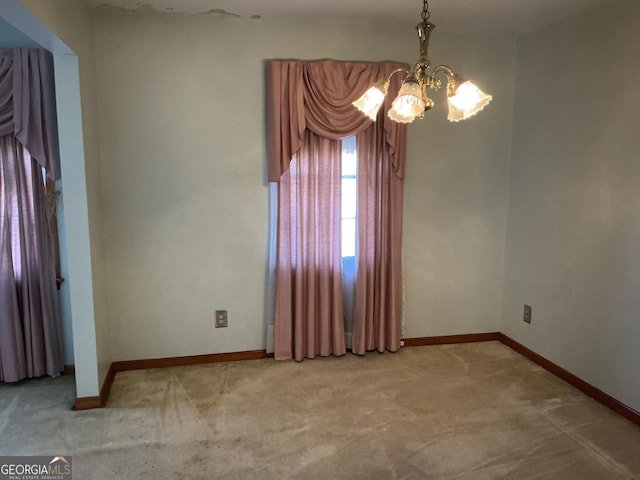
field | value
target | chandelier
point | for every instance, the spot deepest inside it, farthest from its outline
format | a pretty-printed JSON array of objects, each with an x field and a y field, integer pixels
[{"x": 463, "y": 97}]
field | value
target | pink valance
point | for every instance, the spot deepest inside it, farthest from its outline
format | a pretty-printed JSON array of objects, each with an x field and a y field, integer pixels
[
  {"x": 27, "y": 104},
  {"x": 317, "y": 96}
]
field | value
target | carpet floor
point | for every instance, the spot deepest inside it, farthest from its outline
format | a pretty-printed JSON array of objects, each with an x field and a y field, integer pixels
[{"x": 470, "y": 411}]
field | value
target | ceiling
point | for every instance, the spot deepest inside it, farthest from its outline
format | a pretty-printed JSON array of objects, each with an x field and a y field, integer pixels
[{"x": 461, "y": 16}]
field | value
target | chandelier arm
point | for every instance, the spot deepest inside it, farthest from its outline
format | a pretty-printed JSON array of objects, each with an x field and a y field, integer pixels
[
  {"x": 453, "y": 79},
  {"x": 383, "y": 84},
  {"x": 448, "y": 71},
  {"x": 397, "y": 70}
]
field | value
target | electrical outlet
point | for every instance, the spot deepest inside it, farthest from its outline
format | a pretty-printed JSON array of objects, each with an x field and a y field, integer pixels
[
  {"x": 526, "y": 316},
  {"x": 221, "y": 318}
]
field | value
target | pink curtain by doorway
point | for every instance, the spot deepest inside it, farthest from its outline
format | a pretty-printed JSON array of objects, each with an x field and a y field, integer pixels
[
  {"x": 30, "y": 330},
  {"x": 308, "y": 111}
]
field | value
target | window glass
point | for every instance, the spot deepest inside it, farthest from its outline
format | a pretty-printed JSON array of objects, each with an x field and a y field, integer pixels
[{"x": 349, "y": 196}]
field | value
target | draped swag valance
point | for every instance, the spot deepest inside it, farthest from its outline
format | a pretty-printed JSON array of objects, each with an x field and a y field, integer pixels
[
  {"x": 27, "y": 104},
  {"x": 317, "y": 96}
]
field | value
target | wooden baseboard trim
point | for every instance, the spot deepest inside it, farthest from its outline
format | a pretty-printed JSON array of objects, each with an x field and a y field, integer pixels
[
  {"x": 189, "y": 360},
  {"x": 106, "y": 385},
  {"x": 88, "y": 403},
  {"x": 573, "y": 380},
  {"x": 69, "y": 370},
  {"x": 449, "y": 339}
]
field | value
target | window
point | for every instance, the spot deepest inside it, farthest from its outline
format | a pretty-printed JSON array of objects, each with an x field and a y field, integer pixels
[
  {"x": 52, "y": 202},
  {"x": 349, "y": 196}
]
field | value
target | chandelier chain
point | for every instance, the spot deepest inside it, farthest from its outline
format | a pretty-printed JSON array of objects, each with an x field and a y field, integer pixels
[{"x": 425, "y": 10}]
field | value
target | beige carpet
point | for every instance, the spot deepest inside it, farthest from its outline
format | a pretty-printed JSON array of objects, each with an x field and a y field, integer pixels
[{"x": 474, "y": 411}]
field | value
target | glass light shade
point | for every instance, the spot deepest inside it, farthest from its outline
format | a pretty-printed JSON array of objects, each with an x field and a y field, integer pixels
[
  {"x": 371, "y": 101},
  {"x": 408, "y": 104},
  {"x": 466, "y": 101}
]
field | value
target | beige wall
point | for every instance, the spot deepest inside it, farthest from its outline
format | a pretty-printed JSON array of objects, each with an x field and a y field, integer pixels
[
  {"x": 574, "y": 204},
  {"x": 456, "y": 199},
  {"x": 181, "y": 102}
]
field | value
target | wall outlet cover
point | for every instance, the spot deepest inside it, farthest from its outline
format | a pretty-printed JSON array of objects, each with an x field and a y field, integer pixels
[{"x": 221, "y": 318}]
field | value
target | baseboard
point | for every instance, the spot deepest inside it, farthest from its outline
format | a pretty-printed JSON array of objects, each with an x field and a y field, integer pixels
[
  {"x": 69, "y": 370},
  {"x": 88, "y": 403},
  {"x": 189, "y": 360},
  {"x": 449, "y": 339},
  {"x": 106, "y": 385},
  {"x": 573, "y": 380},
  {"x": 607, "y": 400}
]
